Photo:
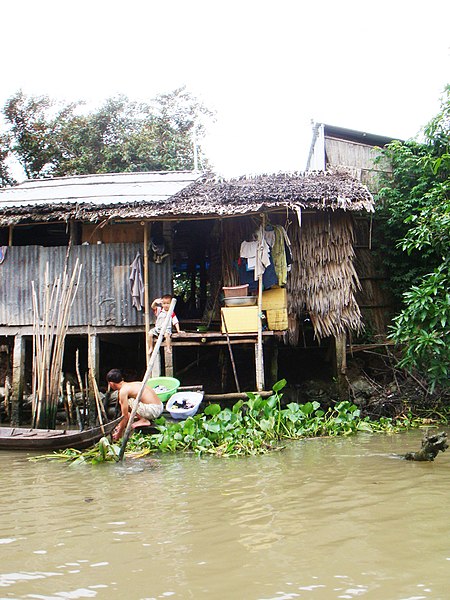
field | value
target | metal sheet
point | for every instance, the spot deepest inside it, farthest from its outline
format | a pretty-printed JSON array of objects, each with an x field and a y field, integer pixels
[
  {"x": 98, "y": 189},
  {"x": 103, "y": 297}
]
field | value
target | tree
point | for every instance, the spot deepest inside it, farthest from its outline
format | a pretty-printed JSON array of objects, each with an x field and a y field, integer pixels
[
  {"x": 417, "y": 205},
  {"x": 51, "y": 139}
]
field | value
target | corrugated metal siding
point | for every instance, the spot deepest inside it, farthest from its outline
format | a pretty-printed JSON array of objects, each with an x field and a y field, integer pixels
[{"x": 103, "y": 297}]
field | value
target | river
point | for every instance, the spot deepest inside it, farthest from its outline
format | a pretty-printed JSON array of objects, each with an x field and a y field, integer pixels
[{"x": 323, "y": 519}]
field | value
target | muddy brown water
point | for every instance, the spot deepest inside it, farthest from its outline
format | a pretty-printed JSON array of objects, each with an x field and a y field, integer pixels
[{"x": 323, "y": 519}]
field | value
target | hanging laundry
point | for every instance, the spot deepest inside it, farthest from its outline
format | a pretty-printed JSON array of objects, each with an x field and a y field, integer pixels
[
  {"x": 137, "y": 283},
  {"x": 3, "y": 250},
  {"x": 269, "y": 277},
  {"x": 257, "y": 254},
  {"x": 279, "y": 256}
]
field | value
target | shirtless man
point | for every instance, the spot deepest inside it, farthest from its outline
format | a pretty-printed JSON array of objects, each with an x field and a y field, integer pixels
[{"x": 150, "y": 406}]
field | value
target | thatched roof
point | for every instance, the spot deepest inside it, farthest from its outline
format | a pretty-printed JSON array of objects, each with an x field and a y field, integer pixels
[
  {"x": 180, "y": 195},
  {"x": 318, "y": 190}
]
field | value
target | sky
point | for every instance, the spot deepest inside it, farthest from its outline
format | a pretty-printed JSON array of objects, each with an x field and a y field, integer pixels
[{"x": 267, "y": 69}]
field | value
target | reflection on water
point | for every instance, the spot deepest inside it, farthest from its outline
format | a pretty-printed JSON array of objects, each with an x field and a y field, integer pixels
[{"x": 324, "y": 519}]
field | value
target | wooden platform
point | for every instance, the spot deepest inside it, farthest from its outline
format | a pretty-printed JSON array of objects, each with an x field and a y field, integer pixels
[{"x": 207, "y": 338}]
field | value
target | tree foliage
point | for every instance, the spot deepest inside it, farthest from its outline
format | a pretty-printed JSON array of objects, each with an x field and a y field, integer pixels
[
  {"x": 416, "y": 213},
  {"x": 50, "y": 139}
]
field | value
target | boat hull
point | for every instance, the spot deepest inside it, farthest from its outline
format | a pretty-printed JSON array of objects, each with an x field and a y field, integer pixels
[{"x": 21, "y": 438}]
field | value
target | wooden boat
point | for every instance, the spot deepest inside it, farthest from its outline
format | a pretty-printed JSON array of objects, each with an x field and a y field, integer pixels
[{"x": 20, "y": 438}]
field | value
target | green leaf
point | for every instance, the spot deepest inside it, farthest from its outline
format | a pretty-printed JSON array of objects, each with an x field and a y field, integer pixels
[
  {"x": 212, "y": 409},
  {"x": 279, "y": 385}
]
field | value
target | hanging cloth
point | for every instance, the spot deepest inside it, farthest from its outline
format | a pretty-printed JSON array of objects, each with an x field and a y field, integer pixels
[
  {"x": 279, "y": 256},
  {"x": 137, "y": 283},
  {"x": 3, "y": 250}
]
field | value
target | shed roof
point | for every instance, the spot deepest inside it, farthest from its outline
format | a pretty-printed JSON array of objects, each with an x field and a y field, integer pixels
[{"x": 159, "y": 195}]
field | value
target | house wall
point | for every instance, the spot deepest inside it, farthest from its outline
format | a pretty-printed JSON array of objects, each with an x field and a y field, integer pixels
[
  {"x": 103, "y": 297},
  {"x": 92, "y": 233},
  {"x": 373, "y": 298},
  {"x": 358, "y": 158}
]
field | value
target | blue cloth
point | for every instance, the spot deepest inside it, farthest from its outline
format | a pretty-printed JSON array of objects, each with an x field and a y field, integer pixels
[{"x": 248, "y": 276}]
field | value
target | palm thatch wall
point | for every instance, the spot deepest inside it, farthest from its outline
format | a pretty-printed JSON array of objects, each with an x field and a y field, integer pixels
[{"x": 323, "y": 280}]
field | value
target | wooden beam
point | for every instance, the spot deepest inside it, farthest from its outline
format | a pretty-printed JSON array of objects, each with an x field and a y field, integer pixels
[{"x": 234, "y": 396}]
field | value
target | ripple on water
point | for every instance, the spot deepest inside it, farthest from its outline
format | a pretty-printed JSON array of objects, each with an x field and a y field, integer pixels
[{"x": 324, "y": 519}]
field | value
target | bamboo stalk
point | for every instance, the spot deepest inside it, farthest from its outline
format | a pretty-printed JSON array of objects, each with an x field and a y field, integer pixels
[{"x": 50, "y": 325}]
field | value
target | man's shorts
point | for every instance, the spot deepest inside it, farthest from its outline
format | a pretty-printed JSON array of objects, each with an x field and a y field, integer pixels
[{"x": 148, "y": 411}]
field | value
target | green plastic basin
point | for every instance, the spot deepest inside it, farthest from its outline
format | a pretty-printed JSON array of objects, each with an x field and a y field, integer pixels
[{"x": 170, "y": 384}]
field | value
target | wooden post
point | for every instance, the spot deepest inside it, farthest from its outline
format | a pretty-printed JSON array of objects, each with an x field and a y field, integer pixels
[
  {"x": 273, "y": 362},
  {"x": 73, "y": 237},
  {"x": 10, "y": 235},
  {"x": 340, "y": 362},
  {"x": 156, "y": 368},
  {"x": 18, "y": 376},
  {"x": 223, "y": 369},
  {"x": 146, "y": 295},
  {"x": 168, "y": 360},
  {"x": 259, "y": 345},
  {"x": 94, "y": 346}
]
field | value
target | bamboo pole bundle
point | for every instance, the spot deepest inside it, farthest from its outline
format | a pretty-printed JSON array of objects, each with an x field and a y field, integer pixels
[{"x": 50, "y": 323}]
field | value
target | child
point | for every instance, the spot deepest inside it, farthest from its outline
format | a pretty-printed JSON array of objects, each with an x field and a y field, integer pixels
[{"x": 160, "y": 307}]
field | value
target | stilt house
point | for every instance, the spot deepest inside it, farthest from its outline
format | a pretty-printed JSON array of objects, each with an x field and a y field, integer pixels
[{"x": 186, "y": 230}]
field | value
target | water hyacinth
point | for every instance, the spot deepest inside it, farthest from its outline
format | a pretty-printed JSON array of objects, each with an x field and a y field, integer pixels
[{"x": 254, "y": 426}]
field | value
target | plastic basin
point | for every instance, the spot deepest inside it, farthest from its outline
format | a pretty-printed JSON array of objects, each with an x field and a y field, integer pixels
[
  {"x": 193, "y": 398},
  {"x": 167, "y": 386}
]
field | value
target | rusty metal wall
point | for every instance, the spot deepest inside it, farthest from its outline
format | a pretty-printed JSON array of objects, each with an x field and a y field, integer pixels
[{"x": 103, "y": 297}]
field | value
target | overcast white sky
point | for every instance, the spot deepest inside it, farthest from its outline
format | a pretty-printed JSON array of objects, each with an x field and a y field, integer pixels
[{"x": 267, "y": 68}]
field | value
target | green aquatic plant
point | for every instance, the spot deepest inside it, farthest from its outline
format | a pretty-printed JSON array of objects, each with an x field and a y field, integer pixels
[
  {"x": 103, "y": 451},
  {"x": 253, "y": 426}
]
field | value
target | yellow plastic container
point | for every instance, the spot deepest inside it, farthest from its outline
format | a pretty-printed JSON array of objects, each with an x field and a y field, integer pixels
[
  {"x": 242, "y": 319},
  {"x": 277, "y": 319},
  {"x": 275, "y": 298}
]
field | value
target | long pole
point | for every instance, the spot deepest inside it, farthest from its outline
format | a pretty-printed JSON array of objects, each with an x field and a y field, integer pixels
[
  {"x": 231, "y": 354},
  {"x": 146, "y": 377}
]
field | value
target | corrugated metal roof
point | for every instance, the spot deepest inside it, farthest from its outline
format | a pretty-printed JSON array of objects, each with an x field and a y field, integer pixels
[{"x": 111, "y": 188}]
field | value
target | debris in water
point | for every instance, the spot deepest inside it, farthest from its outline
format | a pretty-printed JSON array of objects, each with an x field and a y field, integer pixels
[{"x": 431, "y": 446}]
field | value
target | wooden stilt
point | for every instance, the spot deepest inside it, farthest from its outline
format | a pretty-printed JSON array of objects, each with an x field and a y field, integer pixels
[
  {"x": 340, "y": 362},
  {"x": 168, "y": 361},
  {"x": 18, "y": 379},
  {"x": 273, "y": 362},
  {"x": 94, "y": 347},
  {"x": 156, "y": 369},
  {"x": 223, "y": 369}
]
